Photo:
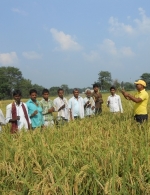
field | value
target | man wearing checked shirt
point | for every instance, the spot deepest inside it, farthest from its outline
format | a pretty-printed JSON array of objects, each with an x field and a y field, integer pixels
[{"x": 48, "y": 107}]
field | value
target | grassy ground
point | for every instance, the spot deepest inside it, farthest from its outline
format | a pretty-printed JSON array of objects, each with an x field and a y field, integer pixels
[{"x": 108, "y": 154}]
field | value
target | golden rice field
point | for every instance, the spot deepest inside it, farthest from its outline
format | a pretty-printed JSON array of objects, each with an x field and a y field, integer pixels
[{"x": 104, "y": 155}]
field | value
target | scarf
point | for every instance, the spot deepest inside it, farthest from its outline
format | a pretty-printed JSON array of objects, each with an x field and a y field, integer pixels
[{"x": 14, "y": 126}]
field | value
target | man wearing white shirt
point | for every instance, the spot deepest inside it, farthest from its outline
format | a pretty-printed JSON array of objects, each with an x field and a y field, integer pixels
[
  {"x": 17, "y": 113},
  {"x": 61, "y": 106},
  {"x": 76, "y": 105},
  {"x": 2, "y": 119},
  {"x": 114, "y": 101},
  {"x": 89, "y": 104}
]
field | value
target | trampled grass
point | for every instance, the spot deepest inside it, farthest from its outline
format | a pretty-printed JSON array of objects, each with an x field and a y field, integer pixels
[{"x": 108, "y": 154}]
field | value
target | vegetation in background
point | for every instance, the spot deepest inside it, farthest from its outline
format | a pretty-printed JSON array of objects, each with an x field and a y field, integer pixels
[{"x": 11, "y": 78}]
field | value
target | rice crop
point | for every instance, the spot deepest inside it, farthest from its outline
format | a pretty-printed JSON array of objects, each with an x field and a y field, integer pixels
[{"x": 102, "y": 155}]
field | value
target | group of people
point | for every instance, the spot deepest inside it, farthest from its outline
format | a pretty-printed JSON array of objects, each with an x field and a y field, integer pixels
[{"x": 34, "y": 113}]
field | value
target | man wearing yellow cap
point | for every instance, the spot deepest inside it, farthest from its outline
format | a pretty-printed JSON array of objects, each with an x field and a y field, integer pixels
[{"x": 141, "y": 101}]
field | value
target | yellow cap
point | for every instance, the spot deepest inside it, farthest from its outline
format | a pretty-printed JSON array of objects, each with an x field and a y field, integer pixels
[{"x": 141, "y": 82}]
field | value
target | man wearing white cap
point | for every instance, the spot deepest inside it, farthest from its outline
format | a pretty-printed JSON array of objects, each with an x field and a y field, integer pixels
[{"x": 141, "y": 101}]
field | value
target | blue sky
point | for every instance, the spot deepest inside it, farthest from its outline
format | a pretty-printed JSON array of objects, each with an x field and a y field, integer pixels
[{"x": 55, "y": 42}]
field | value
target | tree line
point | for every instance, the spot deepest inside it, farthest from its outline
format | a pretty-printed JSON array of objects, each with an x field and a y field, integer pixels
[
  {"x": 105, "y": 81},
  {"x": 11, "y": 78}
]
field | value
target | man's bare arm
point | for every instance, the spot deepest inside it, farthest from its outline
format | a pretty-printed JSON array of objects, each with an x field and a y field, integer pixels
[{"x": 131, "y": 97}]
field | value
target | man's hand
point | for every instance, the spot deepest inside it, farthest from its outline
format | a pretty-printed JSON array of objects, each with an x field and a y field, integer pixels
[
  {"x": 17, "y": 118},
  {"x": 93, "y": 107},
  {"x": 62, "y": 107},
  {"x": 125, "y": 94},
  {"x": 34, "y": 113},
  {"x": 51, "y": 110}
]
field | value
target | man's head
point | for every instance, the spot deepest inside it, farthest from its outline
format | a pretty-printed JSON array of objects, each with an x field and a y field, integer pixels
[
  {"x": 140, "y": 85},
  {"x": 75, "y": 92},
  {"x": 95, "y": 87},
  {"x": 17, "y": 95},
  {"x": 33, "y": 94},
  {"x": 112, "y": 90},
  {"x": 60, "y": 93},
  {"x": 88, "y": 93},
  {"x": 45, "y": 94}
]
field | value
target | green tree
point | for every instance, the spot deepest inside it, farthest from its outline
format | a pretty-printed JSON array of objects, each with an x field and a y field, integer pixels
[
  {"x": 65, "y": 88},
  {"x": 10, "y": 78},
  {"x": 53, "y": 90},
  {"x": 39, "y": 89},
  {"x": 116, "y": 83},
  {"x": 146, "y": 78},
  {"x": 25, "y": 86},
  {"x": 129, "y": 86},
  {"x": 105, "y": 80},
  {"x": 122, "y": 84}
]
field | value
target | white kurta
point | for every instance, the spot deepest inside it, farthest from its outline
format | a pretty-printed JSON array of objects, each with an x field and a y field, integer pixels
[
  {"x": 58, "y": 102},
  {"x": 22, "y": 123},
  {"x": 115, "y": 103},
  {"x": 2, "y": 119},
  {"x": 76, "y": 106},
  {"x": 88, "y": 110}
]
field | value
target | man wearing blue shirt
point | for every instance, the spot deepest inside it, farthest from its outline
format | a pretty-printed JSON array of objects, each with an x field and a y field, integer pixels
[{"x": 35, "y": 110}]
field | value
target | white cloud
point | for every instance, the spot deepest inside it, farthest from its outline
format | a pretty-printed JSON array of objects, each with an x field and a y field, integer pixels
[
  {"x": 8, "y": 58},
  {"x": 92, "y": 56},
  {"x": 16, "y": 10},
  {"x": 141, "y": 25},
  {"x": 108, "y": 51},
  {"x": 108, "y": 46},
  {"x": 65, "y": 41},
  {"x": 32, "y": 55},
  {"x": 117, "y": 27},
  {"x": 127, "y": 52}
]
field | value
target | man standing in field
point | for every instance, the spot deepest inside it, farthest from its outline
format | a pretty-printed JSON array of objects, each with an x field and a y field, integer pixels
[
  {"x": 114, "y": 101},
  {"x": 76, "y": 105},
  {"x": 61, "y": 106},
  {"x": 97, "y": 96},
  {"x": 141, "y": 101},
  {"x": 2, "y": 119},
  {"x": 89, "y": 104},
  {"x": 17, "y": 113},
  {"x": 48, "y": 108},
  {"x": 35, "y": 110}
]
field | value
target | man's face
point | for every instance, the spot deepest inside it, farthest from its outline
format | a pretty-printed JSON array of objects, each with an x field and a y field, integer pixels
[
  {"x": 61, "y": 93},
  {"x": 112, "y": 91},
  {"x": 76, "y": 94},
  {"x": 17, "y": 98},
  {"x": 139, "y": 87},
  {"x": 45, "y": 95},
  {"x": 95, "y": 89},
  {"x": 33, "y": 96},
  {"x": 88, "y": 94}
]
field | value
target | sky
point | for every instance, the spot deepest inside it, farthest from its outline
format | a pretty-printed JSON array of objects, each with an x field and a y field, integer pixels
[{"x": 56, "y": 42}]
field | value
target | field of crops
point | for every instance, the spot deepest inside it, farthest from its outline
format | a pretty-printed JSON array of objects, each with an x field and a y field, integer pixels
[{"x": 103, "y": 155}]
